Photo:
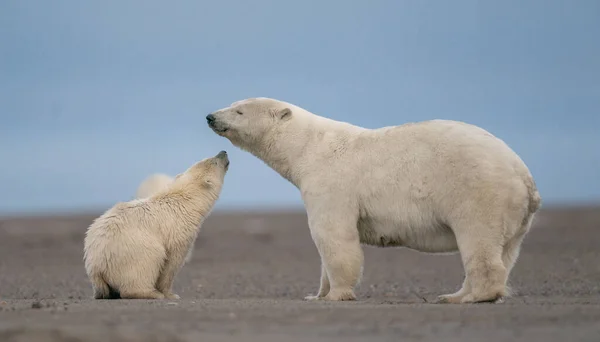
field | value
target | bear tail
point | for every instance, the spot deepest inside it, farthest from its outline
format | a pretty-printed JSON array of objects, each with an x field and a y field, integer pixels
[
  {"x": 535, "y": 200},
  {"x": 534, "y": 203},
  {"x": 101, "y": 288}
]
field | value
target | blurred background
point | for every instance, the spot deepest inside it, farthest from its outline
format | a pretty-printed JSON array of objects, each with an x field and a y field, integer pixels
[{"x": 96, "y": 96}]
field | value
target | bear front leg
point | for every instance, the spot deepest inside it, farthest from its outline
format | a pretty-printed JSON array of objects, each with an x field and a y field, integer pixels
[
  {"x": 323, "y": 287},
  {"x": 335, "y": 234},
  {"x": 169, "y": 271}
]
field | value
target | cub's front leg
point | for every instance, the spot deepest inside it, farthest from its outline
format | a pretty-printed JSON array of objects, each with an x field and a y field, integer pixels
[{"x": 173, "y": 263}]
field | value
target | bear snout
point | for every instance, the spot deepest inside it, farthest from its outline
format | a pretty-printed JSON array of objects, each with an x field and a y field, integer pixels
[
  {"x": 216, "y": 125},
  {"x": 223, "y": 156}
]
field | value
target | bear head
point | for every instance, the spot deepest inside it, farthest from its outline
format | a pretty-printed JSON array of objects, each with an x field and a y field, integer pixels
[
  {"x": 246, "y": 123},
  {"x": 208, "y": 173}
]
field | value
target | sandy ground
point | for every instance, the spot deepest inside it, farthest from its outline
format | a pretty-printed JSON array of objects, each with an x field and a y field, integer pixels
[{"x": 250, "y": 272}]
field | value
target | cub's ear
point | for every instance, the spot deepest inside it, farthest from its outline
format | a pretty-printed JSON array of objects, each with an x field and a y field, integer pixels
[{"x": 284, "y": 114}]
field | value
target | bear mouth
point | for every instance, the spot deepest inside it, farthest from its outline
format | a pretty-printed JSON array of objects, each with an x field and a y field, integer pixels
[{"x": 217, "y": 129}]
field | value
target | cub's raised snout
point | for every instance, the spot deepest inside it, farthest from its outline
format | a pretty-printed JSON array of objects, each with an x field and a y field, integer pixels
[
  {"x": 210, "y": 118},
  {"x": 152, "y": 235},
  {"x": 223, "y": 156}
]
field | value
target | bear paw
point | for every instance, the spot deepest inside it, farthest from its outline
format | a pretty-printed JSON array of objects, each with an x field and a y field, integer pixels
[
  {"x": 311, "y": 297},
  {"x": 340, "y": 296},
  {"x": 449, "y": 299},
  {"x": 472, "y": 299},
  {"x": 172, "y": 296}
]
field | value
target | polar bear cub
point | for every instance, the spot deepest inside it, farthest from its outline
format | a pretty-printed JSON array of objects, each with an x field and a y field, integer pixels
[
  {"x": 135, "y": 249},
  {"x": 432, "y": 186},
  {"x": 153, "y": 184}
]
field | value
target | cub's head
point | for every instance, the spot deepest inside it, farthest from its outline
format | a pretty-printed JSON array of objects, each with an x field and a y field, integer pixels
[
  {"x": 245, "y": 123},
  {"x": 209, "y": 173}
]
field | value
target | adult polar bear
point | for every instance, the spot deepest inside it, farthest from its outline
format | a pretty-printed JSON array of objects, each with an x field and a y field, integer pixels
[{"x": 433, "y": 186}]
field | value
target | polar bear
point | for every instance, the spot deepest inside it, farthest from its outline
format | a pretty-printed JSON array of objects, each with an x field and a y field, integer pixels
[
  {"x": 153, "y": 184},
  {"x": 436, "y": 186},
  {"x": 135, "y": 249}
]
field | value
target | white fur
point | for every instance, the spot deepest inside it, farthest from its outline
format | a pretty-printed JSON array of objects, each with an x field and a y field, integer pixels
[
  {"x": 435, "y": 186},
  {"x": 154, "y": 184},
  {"x": 136, "y": 248}
]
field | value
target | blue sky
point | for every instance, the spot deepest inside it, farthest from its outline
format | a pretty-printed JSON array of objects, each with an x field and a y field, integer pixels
[{"x": 95, "y": 96}]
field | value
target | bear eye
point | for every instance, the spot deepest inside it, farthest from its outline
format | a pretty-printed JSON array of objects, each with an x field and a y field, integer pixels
[{"x": 239, "y": 112}]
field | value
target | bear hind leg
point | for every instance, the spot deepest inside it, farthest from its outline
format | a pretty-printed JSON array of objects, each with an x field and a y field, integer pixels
[
  {"x": 485, "y": 271},
  {"x": 140, "y": 289},
  {"x": 141, "y": 283},
  {"x": 101, "y": 288},
  {"x": 512, "y": 248},
  {"x": 142, "y": 294}
]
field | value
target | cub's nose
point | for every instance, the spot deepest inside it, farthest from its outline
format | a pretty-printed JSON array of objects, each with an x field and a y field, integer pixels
[
  {"x": 222, "y": 154},
  {"x": 210, "y": 118}
]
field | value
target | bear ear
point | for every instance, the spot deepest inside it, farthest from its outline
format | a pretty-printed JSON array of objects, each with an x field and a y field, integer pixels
[{"x": 284, "y": 114}]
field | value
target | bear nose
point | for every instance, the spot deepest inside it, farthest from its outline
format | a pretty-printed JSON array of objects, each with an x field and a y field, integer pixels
[{"x": 210, "y": 118}]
